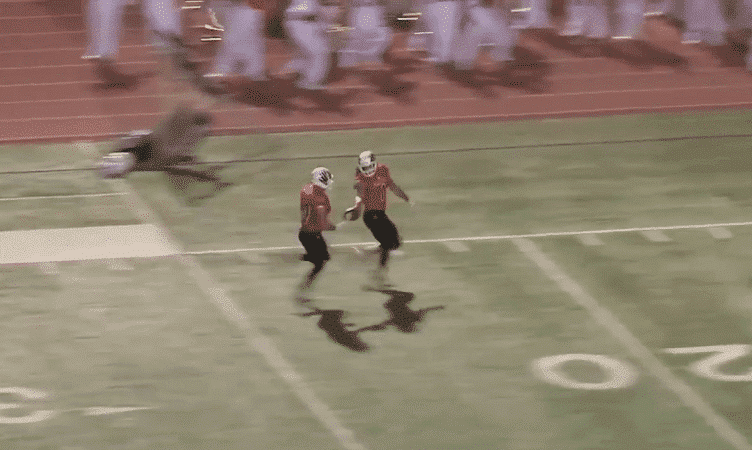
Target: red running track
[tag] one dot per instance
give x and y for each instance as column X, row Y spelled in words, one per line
column 47, row 93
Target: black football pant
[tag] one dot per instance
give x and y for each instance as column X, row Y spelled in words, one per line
column 382, row 229
column 315, row 247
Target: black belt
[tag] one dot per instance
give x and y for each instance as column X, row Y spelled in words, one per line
column 311, row 18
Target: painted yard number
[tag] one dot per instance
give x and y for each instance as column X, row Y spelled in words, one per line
column 25, row 394
column 29, row 395
column 619, row 374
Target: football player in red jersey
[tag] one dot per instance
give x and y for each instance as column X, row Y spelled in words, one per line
column 314, row 218
column 372, row 180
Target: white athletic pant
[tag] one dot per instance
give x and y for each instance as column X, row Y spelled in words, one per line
column 369, row 39
column 587, row 18
column 313, row 47
column 630, row 15
column 539, row 17
column 443, row 19
column 243, row 48
column 704, row 20
column 105, row 20
column 485, row 26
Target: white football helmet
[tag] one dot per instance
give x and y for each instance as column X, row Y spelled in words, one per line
column 116, row 164
column 367, row 163
column 322, row 177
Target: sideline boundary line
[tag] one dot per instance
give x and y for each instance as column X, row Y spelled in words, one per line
column 255, row 338
column 634, row 346
column 60, row 197
column 543, row 145
column 487, row 238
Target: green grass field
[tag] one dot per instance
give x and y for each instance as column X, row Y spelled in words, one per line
column 550, row 295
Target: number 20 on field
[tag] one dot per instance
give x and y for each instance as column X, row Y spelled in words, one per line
column 619, row 374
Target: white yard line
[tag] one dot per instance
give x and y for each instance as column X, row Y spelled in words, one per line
column 253, row 335
column 486, row 238
column 637, row 349
column 58, row 197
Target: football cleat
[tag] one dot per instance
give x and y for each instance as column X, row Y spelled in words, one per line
column 116, row 164
column 322, row 177
column 367, row 163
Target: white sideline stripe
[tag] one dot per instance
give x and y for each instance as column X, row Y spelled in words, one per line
column 605, row 318
column 484, row 238
column 76, row 244
column 253, row 335
column 50, row 197
column 720, row 233
column 456, row 246
column 656, row 236
column 590, row 239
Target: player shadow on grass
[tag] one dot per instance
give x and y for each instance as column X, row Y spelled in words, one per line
column 195, row 185
column 400, row 316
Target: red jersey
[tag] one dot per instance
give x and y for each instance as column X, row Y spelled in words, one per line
column 311, row 197
column 373, row 188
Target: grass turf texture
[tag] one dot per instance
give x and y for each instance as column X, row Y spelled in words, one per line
column 462, row 379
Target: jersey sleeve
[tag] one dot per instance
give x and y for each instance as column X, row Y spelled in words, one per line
column 387, row 174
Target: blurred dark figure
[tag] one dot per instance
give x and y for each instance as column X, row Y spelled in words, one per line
column 169, row 148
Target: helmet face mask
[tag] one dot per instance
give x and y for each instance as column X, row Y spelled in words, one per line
column 322, row 177
column 116, row 164
column 367, row 163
